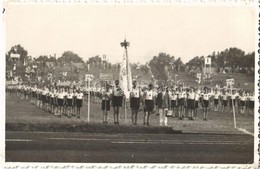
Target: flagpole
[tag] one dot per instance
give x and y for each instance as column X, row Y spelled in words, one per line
column 127, row 76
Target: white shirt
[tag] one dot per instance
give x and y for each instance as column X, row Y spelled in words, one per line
column 79, row 95
column 191, row 95
column 197, row 96
column 216, row 95
column 205, row 96
column 252, row 98
column 135, row 93
column 60, row 95
column 149, row 94
column 69, row 95
column 117, row 91
column 224, row 96
column 173, row 96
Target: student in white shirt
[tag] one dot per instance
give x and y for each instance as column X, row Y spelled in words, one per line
column 149, row 100
column 242, row 102
column 216, row 100
column 196, row 103
column 181, row 101
column 69, row 102
column 173, row 97
column 135, row 100
column 224, row 100
column 79, row 102
column 191, row 103
column 117, row 99
column 251, row 102
column 232, row 100
column 74, row 102
column 105, row 104
column 65, row 105
column 205, row 103
column 60, row 101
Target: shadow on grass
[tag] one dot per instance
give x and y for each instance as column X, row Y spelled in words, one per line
column 90, row 128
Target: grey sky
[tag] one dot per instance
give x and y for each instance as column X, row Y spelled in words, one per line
column 180, row 31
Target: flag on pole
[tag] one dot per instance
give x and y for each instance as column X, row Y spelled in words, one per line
column 125, row 76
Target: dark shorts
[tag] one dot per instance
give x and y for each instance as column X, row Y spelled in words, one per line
column 74, row 100
column 242, row 103
column 181, row 102
column 251, row 104
column 69, row 102
column 190, row 103
column 48, row 99
column 60, row 102
column 224, row 103
column 33, row 94
column 39, row 96
column 105, row 106
column 215, row 102
column 173, row 103
column 205, row 103
column 135, row 103
column 230, row 102
column 52, row 101
column 44, row 99
column 79, row 103
column 117, row 101
column 149, row 105
column 196, row 105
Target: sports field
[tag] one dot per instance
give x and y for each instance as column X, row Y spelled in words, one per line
column 22, row 115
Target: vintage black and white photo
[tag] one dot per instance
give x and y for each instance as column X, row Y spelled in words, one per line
column 146, row 84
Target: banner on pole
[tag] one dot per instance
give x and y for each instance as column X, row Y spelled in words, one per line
column 106, row 76
column 89, row 77
column 15, row 56
column 125, row 76
column 207, row 61
column 230, row 82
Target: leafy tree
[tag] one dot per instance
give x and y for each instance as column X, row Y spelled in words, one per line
column 17, row 49
column 69, row 57
column 158, row 65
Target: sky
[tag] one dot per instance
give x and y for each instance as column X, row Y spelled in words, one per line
column 90, row 30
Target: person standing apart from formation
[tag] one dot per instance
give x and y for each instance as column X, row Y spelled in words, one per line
column 105, row 104
column 135, row 100
column 149, row 100
column 164, row 104
column 117, row 98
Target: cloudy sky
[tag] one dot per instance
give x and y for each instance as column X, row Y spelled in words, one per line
column 180, row 31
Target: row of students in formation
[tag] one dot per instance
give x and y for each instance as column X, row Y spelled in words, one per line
column 177, row 102
column 166, row 101
column 60, row 101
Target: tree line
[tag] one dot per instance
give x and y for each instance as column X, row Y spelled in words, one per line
column 160, row 66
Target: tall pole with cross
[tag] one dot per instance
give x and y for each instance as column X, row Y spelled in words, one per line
column 125, row 44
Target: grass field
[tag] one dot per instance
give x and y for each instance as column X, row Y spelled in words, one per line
column 24, row 113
